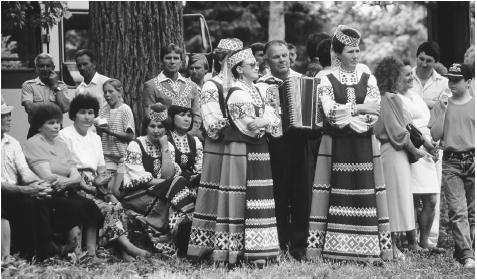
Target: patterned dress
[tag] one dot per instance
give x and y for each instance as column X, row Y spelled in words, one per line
column 213, row 111
column 349, row 217
column 242, row 223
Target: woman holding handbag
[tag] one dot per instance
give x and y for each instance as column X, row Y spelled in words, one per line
column 424, row 177
column 397, row 151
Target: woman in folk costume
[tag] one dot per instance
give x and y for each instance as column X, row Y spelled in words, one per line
column 152, row 183
column 187, row 148
column 349, row 217
column 215, row 120
column 245, row 227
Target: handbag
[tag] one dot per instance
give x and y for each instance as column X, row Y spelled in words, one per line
column 416, row 135
column 416, row 139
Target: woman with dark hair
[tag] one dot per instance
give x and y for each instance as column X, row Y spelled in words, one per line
column 188, row 149
column 115, row 124
column 214, row 116
column 50, row 158
column 85, row 147
column 152, row 184
column 170, row 87
column 349, row 206
column 244, row 206
column 397, row 150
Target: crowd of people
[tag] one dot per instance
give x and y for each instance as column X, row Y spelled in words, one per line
column 215, row 174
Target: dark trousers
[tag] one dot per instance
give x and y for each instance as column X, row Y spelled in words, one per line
column 293, row 159
column 29, row 220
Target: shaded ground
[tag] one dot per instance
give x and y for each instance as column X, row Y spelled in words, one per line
column 108, row 266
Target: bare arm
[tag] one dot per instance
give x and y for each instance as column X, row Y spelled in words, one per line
column 126, row 137
column 61, row 99
column 43, row 170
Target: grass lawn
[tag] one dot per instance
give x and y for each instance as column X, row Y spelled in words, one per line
column 415, row 266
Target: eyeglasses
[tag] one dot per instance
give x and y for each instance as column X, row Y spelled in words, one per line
column 253, row 65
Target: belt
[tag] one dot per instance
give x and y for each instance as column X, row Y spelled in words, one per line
column 459, row 155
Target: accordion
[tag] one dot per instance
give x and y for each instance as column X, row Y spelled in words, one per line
column 299, row 103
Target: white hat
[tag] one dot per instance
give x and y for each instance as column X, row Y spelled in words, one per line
column 6, row 109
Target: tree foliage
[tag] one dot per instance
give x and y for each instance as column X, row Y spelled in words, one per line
column 387, row 27
column 17, row 12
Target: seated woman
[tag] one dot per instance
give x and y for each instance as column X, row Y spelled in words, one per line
column 151, row 183
column 87, row 154
column 49, row 157
column 188, row 149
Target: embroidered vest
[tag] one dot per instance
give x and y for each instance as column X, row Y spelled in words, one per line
column 148, row 161
column 347, row 93
column 186, row 161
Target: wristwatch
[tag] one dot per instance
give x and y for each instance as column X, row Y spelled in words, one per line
column 57, row 89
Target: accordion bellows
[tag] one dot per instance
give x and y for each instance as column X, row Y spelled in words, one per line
column 299, row 103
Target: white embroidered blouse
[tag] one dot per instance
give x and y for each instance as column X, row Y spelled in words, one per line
column 341, row 115
column 212, row 116
column 242, row 106
column 135, row 174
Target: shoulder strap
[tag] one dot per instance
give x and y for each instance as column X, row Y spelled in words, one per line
column 222, row 104
column 140, row 146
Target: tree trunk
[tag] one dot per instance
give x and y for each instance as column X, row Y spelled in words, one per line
column 276, row 22
column 127, row 37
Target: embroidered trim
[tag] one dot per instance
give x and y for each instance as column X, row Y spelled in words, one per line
column 260, row 183
column 352, row 192
column 351, row 167
column 352, row 211
column 261, row 204
column 258, row 156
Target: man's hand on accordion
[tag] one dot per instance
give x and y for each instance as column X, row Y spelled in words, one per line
column 369, row 108
column 257, row 124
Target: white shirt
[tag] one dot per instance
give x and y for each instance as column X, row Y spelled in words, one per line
column 14, row 165
column 435, row 87
column 87, row 151
column 94, row 88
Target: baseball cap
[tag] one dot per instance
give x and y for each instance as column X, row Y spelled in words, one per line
column 6, row 109
column 460, row 71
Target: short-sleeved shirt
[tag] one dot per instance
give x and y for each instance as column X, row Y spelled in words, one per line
column 119, row 120
column 459, row 127
column 87, row 151
column 38, row 150
column 14, row 165
column 434, row 88
column 94, row 88
column 37, row 92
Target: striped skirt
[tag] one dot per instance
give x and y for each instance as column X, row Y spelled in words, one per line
column 349, row 216
column 237, row 218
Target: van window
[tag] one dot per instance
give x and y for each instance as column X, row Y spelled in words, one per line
column 20, row 45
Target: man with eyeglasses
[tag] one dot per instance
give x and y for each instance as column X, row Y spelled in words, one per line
column 432, row 87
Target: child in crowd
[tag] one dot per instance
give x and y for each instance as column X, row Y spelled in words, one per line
column 115, row 124
column 455, row 127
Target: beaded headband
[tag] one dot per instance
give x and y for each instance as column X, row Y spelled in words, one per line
column 240, row 56
column 158, row 117
column 345, row 39
column 232, row 44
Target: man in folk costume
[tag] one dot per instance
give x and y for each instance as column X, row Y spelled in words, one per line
column 292, row 159
column 214, row 116
column 349, row 217
column 170, row 87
